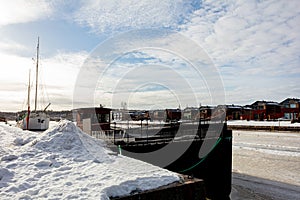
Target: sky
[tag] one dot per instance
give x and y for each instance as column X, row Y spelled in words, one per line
column 149, row 54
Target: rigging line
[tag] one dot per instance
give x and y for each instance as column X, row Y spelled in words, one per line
column 31, row 88
column 41, row 86
column 43, row 89
column 24, row 103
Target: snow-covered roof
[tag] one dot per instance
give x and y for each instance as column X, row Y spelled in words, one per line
column 233, row 106
column 288, row 100
column 265, row 103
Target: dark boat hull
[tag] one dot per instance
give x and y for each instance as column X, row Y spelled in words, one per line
column 214, row 168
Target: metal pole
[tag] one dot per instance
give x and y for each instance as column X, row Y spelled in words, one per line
column 141, row 128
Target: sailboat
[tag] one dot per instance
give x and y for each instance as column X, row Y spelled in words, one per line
column 35, row 120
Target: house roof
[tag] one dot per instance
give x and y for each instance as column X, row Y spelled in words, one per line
column 233, row 106
column 265, row 103
column 287, row 100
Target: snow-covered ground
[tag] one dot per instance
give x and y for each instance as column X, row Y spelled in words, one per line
column 266, row 165
column 262, row 123
column 65, row 163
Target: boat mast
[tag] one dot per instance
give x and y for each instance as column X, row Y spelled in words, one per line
column 28, row 93
column 28, row 103
column 37, row 73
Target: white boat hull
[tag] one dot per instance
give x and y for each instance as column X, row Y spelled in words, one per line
column 37, row 122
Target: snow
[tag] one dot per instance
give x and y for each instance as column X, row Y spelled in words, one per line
column 262, row 123
column 65, row 163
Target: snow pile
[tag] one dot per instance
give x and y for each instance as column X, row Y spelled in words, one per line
column 69, row 141
column 65, row 163
column 12, row 137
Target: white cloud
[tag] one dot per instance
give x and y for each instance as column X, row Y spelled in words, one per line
column 255, row 44
column 57, row 74
column 13, row 80
column 114, row 15
column 7, row 45
column 132, row 59
column 22, row 11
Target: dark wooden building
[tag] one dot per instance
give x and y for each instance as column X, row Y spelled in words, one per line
column 93, row 119
column 233, row 112
column 173, row 115
column 290, row 108
column 206, row 112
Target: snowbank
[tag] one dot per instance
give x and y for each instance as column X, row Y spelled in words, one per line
column 65, row 163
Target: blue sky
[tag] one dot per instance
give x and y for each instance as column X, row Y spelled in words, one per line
column 250, row 49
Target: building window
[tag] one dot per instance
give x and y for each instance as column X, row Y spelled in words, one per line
column 261, row 107
column 287, row 116
column 102, row 118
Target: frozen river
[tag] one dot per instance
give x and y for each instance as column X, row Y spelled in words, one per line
column 266, row 165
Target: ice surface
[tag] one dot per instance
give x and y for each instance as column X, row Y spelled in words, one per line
column 267, row 163
column 65, row 163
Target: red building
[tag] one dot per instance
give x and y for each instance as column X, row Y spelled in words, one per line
column 290, row 108
column 268, row 110
column 246, row 113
